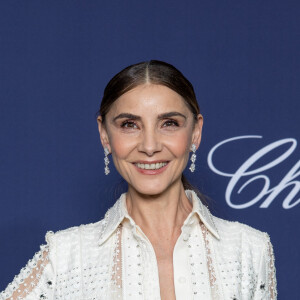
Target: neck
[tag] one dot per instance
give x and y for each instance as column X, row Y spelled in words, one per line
column 160, row 215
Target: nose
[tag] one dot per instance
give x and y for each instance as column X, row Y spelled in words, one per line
column 150, row 142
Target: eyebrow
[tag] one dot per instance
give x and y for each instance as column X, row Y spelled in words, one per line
column 160, row 117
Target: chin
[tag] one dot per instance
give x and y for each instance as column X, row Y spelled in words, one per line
column 150, row 189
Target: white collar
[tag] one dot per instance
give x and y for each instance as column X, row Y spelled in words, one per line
column 118, row 212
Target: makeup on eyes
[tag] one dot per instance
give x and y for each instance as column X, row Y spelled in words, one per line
column 170, row 122
column 124, row 123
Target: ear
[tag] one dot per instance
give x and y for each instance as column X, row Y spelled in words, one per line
column 103, row 133
column 197, row 131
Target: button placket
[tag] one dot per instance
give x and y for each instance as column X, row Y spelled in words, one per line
column 150, row 262
column 148, row 272
column 132, row 264
column 182, row 281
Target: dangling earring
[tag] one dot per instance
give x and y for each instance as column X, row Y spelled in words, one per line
column 193, row 158
column 106, row 161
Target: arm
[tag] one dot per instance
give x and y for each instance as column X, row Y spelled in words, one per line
column 267, row 286
column 36, row 280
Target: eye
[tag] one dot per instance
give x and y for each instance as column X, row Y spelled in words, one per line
column 128, row 124
column 170, row 123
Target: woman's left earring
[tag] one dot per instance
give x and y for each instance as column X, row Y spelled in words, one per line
column 106, row 161
column 193, row 158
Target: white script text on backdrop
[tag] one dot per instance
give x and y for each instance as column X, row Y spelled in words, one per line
column 289, row 180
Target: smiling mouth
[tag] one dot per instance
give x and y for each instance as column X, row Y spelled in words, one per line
column 154, row 166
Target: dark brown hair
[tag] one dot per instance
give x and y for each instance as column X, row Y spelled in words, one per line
column 153, row 72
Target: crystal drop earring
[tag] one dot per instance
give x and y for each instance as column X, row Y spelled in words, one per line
column 106, row 161
column 193, row 158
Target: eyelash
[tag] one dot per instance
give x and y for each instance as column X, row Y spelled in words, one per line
column 123, row 125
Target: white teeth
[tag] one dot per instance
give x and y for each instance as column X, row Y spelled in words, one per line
column 151, row 166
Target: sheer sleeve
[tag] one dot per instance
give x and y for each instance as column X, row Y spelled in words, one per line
column 267, row 286
column 37, row 279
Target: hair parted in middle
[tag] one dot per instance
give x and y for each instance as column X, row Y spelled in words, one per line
column 152, row 72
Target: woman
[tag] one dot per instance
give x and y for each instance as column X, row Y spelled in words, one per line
column 158, row 241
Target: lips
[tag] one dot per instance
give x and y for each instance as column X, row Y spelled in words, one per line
column 151, row 167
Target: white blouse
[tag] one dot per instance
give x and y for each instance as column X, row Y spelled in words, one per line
column 113, row 259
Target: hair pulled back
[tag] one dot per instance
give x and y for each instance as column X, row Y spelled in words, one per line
column 150, row 72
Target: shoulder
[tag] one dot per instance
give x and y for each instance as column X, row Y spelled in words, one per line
column 236, row 232
column 76, row 234
column 67, row 247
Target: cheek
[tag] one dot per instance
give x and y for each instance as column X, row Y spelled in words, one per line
column 122, row 145
column 179, row 144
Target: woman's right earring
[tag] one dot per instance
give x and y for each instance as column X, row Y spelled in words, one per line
column 193, row 158
column 106, row 161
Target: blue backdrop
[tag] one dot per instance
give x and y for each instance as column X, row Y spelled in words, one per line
column 56, row 58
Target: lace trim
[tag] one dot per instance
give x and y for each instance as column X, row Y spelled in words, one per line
column 211, row 270
column 29, row 276
column 116, row 277
column 272, row 284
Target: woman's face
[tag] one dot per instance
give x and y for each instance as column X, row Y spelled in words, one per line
column 149, row 131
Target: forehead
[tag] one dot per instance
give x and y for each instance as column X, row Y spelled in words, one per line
column 148, row 99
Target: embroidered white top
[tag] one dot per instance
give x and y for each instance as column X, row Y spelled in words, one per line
column 113, row 259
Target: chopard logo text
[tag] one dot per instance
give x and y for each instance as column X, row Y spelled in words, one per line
column 290, row 182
